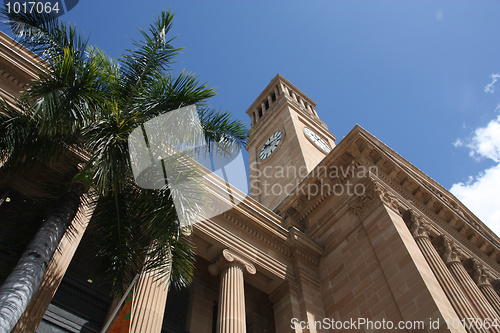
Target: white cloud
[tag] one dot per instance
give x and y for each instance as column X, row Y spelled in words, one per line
column 486, row 141
column 490, row 86
column 458, row 143
column 480, row 193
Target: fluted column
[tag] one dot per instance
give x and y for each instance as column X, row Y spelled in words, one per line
column 420, row 231
column 56, row 269
column 452, row 258
column 149, row 304
column 483, row 282
column 231, row 315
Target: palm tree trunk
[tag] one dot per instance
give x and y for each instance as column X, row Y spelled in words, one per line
column 24, row 280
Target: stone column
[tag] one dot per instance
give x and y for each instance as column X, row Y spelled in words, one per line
column 452, row 258
column 420, row 231
column 56, row 269
column 231, row 313
column 149, row 304
column 483, row 282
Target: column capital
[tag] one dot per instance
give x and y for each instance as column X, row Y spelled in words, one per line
column 419, row 227
column 228, row 258
column 451, row 253
column 480, row 276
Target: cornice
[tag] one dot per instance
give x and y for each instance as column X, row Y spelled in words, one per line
column 275, row 242
column 409, row 188
column 304, row 247
column 7, row 75
column 216, row 233
column 421, row 186
column 19, row 61
column 408, row 200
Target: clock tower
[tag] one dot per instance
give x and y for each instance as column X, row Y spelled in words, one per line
column 287, row 141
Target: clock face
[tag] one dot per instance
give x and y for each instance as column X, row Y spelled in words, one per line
column 316, row 140
column 270, row 145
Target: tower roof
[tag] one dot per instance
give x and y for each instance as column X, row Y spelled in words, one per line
column 275, row 83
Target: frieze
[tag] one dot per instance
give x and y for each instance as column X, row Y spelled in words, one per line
column 299, row 253
column 260, row 236
column 5, row 74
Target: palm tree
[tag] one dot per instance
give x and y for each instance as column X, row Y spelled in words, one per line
column 86, row 101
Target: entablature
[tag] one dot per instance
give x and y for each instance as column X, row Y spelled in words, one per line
column 359, row 149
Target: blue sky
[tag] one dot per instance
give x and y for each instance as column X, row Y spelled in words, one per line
column 413, row 73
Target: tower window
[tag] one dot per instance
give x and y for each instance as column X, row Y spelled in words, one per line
column 267, row 105
column 254, row 120
column 273, row 97
column 260, row 113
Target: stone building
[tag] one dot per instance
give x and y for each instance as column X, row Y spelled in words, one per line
column 332, row 238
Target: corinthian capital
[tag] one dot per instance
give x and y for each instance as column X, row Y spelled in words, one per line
column 450, row 251
column 419, row 227
column 480, row 276
column 228, row 258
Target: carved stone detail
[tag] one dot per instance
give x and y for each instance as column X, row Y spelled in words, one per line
column 451, row 253
column 445, row 225
column 481, row 277
column 363, row 206
column 419, row 228
column 257, row 234
column 385, row 195
column 230, row 258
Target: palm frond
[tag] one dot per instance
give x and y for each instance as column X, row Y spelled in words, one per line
column 44, row 34
column 22, row 144
column 221, row 129
column 153, row 55
column 172, row 262
column 169, row 92
column 66, row 95
column 85, row 98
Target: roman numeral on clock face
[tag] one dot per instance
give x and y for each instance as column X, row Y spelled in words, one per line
column 270, row 145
